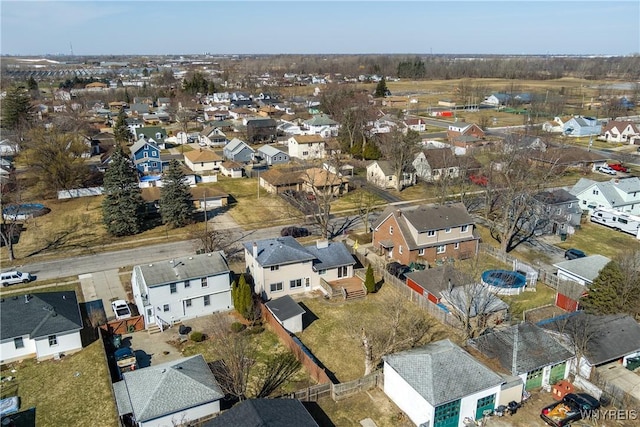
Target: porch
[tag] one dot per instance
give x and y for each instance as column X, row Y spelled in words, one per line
column 348, row 288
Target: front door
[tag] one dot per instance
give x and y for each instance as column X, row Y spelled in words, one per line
column 150, row 317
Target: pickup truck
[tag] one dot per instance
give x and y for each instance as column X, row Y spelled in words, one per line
column 571, row 408
column 125, row 360
column 618, row 167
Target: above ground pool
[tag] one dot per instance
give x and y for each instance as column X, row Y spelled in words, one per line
column 24, row 211
column 504, row 282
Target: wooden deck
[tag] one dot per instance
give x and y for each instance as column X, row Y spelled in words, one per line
column 352, row 285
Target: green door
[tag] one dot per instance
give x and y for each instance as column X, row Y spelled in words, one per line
column 534, row 380
column 557, row 373
column 484, row 404
column 447, row 415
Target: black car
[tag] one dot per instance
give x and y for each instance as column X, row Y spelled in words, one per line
column 572, row 407
column 574, row 253
column 295, row 232
column 398, row 270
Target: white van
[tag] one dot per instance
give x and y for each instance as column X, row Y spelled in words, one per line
column 14, row 277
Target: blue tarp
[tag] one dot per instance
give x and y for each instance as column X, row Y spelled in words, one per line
column 443, row 307
column 9, row 405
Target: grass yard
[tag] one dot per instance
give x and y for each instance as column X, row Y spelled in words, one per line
column 335, row 337
column 72, row 391
column 598, row 239
column 544, row 295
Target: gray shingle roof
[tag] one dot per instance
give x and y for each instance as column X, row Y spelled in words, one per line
column 168, row 388
column 425, row 217
column 46, row 313
column 536, row 348
column 284, row 308
column 279, row 251
column 442, row 372
column 587, row 267
column 185, row 268
column 437, row 279
column 334, row 255
column 270, row 150
column 611, row 190
column 555, row 197
column 265, row 413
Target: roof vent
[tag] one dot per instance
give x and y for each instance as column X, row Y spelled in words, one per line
column 163, row 370
column 150, row 265
column 190, row 257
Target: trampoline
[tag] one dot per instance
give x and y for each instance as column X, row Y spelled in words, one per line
column 504, row 282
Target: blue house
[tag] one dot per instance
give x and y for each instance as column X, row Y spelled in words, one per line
column 238, row 151
column 154, row 134
column 581, row 126
column 146, row 156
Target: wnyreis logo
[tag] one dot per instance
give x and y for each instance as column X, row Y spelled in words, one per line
column 610, row 415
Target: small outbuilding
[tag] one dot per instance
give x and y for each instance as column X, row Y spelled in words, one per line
column 287, row 312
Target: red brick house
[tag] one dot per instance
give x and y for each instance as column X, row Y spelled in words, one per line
column 425, row 234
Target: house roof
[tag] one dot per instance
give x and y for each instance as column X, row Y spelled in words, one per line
column 236, row 145
column 262, row 123
column 278, row 251
column 442, row 372
column 139, row 144
column 567, row 156
column 333, row 255
column 39, row 315
column 429, row 217
column 320, row 120
column 439, row 158
column 437, row 279
column 587, row 267
column 167, row 388
column 151, row 131
column 265, row 413
column 202, row 156
column 385, row 166
column 610, row 337
column 320, row 177
column 278, row 177
column 555, row 197
column 270, row 150
column 611, row 190
column 536, row 348
column 185, row 268
column 284, row 308
column 308, row 139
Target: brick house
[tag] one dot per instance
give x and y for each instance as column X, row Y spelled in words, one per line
column 458, row 129
column 425, row 234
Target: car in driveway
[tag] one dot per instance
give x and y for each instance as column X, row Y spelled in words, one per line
column 574, row 253
column 121, row 309
column 572, row 407
column 14, row 277
column 606, row 169
column 295, row 232
column 398, row 270
column 618, row 167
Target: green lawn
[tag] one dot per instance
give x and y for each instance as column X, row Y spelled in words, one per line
column 543, row 295
column 72, row 391
column 598, row 239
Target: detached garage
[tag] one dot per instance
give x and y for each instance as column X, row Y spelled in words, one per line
column 287, row 312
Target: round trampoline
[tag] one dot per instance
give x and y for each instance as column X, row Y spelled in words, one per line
column 24, row 211
column 504, row 282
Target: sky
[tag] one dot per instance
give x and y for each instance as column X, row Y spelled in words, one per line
column 586, row 27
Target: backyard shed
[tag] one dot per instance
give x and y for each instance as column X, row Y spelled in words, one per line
column 287, row 312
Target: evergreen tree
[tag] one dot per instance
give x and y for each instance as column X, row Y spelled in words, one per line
column 176, row 206
column 122, row 208
column 121, row 132
column 370, row 281
column 17, row 111
column 381, row 89
column 610, row 293
column 32, row 86
column 234, row 293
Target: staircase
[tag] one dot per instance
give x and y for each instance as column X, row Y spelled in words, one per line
column 354, row 294
column 153, row 329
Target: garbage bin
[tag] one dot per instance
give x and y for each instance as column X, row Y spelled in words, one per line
column 563, row 237
column 116, row 340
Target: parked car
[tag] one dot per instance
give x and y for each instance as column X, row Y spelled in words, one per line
column 574, row 253
column 571, row 408
column 14, row 277
column 479, row 180
column 618, row 167
column 121, row 309
column 295, row 232
column 606, row 169
column 398, row 270
column 125, row 360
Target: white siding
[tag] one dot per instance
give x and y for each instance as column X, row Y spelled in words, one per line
column 567, row 275
column 469, row 403
column 183, row 417
column 293, row 324
column 66, row 343
column 8, row 351
column 408, row 400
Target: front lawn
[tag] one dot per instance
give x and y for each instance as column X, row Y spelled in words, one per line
column 72, row 391
column 598, row 239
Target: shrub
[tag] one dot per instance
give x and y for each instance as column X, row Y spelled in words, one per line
column 197, row 336
column 237, row 327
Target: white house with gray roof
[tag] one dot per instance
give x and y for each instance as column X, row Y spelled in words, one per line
column 181, row 288
column 440, row 384
column 582, row 270
column 622, row 194
column 272, row 156
column 169, row 394
column 282, row 266
column 42, row 325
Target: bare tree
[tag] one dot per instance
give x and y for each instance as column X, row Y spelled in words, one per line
column 579, row 331
column 400, row 150
column 278, row 369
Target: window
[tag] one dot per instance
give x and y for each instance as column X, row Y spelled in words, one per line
column 584, row 202
column 203, row 282
column 321, row 272
column 173, row 288
column 154, row 153
column 447, row 230
column 464, row 228
column 187, row 284
column 431, row 233
column 187, row 303
column 595, row 191
column 400, row 249
column 53, row 340
column 275, row 267
column 165, row 308
column 297, row 283
column 421, row 252
column 390, row 229
column 18, row 343
column 456, row 246
column 441, row 249
column 342, row 271
column 306, row 282
column 305, row 153
column 207, row 300
column 276, row 287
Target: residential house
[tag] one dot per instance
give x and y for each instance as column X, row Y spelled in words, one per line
column 42, row 325
column 382, row 173
column 604, row 341
column 435, row 163
column 261, row 130
column 133, row 123
column 569, row 158
column 425, row 234
column 306, row 147
column 416, row 124
column 238, row 151
column 516, row 142
column 528, row 351
column 277, row 181
column 497, row 99
column 272, row 156
column 289, row 128
column 173, row 393
column 459, row 129
column 212, row 136
column 621, row 194
column 265, row 413
column 555, row 126
column 321, row 124
column 580, row 271
column 152, row 133
column 625, row 132
column 216, row 115
column 440, row 384
column 146, row 156
column 232, row 169
column 556, row 212
column 202, row 160
column 211, row 197
column 182, row 288
column 287, row 312
column 385, row 123
column 8, row 148
column 282, row 266
column 139, row 109
column 581, row 126
column 321, row 181
column 241, row 113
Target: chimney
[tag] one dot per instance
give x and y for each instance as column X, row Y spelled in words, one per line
column 320, row 244
column 255, row 250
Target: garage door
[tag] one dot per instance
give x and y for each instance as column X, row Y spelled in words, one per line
column 485, row 404
column 557, row 373
column 534, row 379
column 447, row 415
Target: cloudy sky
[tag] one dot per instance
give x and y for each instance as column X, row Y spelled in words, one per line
column 317, row 27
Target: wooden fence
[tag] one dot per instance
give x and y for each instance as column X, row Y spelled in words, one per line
column 618, row 397
column 338, row 391
column 124, row 326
